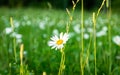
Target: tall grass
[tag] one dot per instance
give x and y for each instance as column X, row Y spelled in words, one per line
column 82, row 42
column 94, row 28
column 70, row 14
column 108, row 6
column 14, row 39
column 21, row 60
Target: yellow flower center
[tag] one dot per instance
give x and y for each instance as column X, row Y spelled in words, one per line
column 60, row 41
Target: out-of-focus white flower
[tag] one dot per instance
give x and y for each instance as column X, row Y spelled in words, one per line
column 55, row 31
column 24, row 23
column 86, row 36
column 42, row 25
column 8, row 30
column 77, row 28
column 116, row 40
column 25, row 52
column 89, row 30
column 105, row 28
column 13, row 34
column 58, row 42
column 25, row 17
column 118, row 57
column 16, row 23
column 88, row 21
column 101, row 33
column 17, row 36
column 19, row 40
column 28, row 22
column 46, row 18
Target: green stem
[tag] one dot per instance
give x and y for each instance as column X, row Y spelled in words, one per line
column 14, row 39
column 94, row 28
column 82, row 27
column 62, row 66
column 109, row 33
column 14, row 44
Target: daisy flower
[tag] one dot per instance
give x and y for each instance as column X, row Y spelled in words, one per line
column 58, row 42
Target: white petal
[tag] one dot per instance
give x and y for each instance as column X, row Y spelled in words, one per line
column 53, row 47
column 51, row 43
column 61, row 35
column 54, row 38
column 60, row 46
column 65, row 37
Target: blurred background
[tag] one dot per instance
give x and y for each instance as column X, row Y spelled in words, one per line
column 61, row 4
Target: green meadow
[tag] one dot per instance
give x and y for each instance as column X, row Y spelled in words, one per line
column 34, row 27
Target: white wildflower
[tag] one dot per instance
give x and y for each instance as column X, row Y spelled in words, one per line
column 8, row 30
column 86, row 36
column 42, row 25
column 89, row 30
column 58, row 42
column 28, row 22
column 55, row 31
column 77, row 28
column 105, row 28
column 116, row 40
column 118, row 57
column 19, row 40
column 16, row 23
column 101, row 33
column 17, row 36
